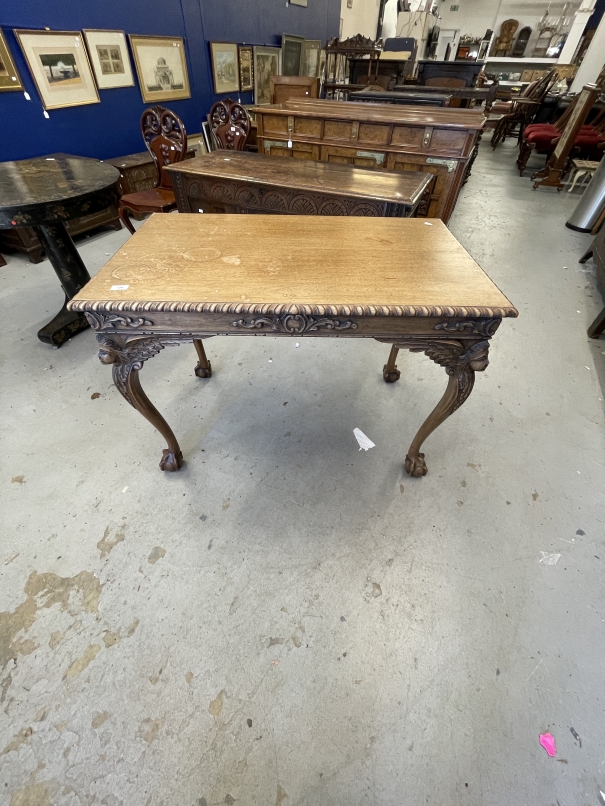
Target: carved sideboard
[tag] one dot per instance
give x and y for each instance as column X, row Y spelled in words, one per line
column 240, row 182
column 442, row 142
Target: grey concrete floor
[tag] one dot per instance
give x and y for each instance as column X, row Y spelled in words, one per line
column 289, row 620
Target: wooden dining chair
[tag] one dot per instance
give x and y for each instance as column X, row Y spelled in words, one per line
column 166, row 140
column 230, row 124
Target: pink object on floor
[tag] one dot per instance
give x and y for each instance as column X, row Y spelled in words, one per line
column 547, row 741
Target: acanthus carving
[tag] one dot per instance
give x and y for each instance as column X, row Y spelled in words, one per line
column 127, row 355
column 481, row 327
column 294, row 324
column 97, row 321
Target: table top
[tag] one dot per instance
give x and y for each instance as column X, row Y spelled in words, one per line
column 444, row 117
column 37, row 190
column 312, row 175
column 456, row 92
column 294, row 264
column 410, row 95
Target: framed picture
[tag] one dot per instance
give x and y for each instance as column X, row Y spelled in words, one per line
column 225, row 67
column 108, row 54
column 59, row 66
column 246, row 69
column 311, row 57
column 9, row 77
column 161, row 67
column 291, row 54
column 267, row 63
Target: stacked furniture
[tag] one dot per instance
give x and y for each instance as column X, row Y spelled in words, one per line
column 442, row 142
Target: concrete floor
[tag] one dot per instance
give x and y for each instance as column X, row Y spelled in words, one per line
column 289, row 620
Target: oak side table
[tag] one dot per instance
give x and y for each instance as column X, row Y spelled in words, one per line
column 406, row 282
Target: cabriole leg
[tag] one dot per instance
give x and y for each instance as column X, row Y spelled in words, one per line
column 128, row 359
column 204, row 367
column 461, row 367
column 390, row 373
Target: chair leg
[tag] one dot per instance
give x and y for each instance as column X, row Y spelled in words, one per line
column 204, row 367
column 587, row 255
column 125, row 218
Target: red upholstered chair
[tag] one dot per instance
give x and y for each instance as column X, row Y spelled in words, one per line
column 543, row 138
column 166, row 140
column 230, row 124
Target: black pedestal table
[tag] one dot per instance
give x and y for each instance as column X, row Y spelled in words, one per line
column 43, row 193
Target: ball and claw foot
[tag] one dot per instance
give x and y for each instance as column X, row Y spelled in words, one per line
column 392, row 376
column 204, row 372
column 171, row 461
column 415, row 466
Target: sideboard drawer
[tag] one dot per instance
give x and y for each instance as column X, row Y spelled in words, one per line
column 364, row 158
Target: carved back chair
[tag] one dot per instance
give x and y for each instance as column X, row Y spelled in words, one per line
column 504, row 41
column 166, row 140
column 282, row 88
column 230, row 124
column 521, row 43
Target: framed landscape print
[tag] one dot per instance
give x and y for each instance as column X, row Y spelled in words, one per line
column 291, row 54
column 59, row 66
column 267, row 63
column 9, row 77
column 108, row 54
column 311, row 57
column 246, row 69
column 225, row 67
column 161, row 67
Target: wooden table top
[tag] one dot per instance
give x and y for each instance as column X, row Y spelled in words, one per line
column 407, row 96
column 444, row 117
column 312, row 175
column 294, row 264
column 455, row 92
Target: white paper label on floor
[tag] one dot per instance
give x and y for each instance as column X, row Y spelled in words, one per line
column 27, row 96
column 46, row 115
column 549, row 559
column 118, row 288
column 365, row 443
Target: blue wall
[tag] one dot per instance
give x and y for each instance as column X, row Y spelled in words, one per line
column 111, row 128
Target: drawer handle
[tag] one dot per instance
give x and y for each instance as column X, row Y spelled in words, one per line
column 451, row 164
column 373, row 155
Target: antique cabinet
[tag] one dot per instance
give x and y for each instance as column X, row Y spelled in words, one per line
column 439, row 141
column 239, row 182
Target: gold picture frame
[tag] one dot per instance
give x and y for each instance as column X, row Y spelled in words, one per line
column 109, row 57
column 225, row 67
column 161, row 65
column 59, row 65
column 9, row 77
column 246, row 68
